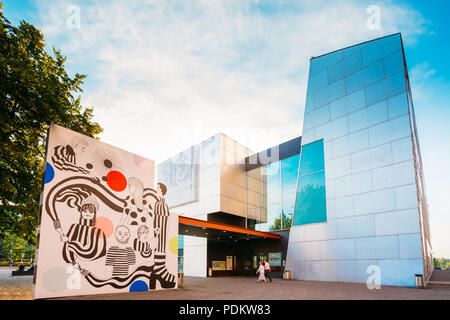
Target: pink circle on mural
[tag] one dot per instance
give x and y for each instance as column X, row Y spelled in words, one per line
column 141, row 162
column 105, row 225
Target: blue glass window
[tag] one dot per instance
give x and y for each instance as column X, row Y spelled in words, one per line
column 273, row 189
column 289, row 170
column 273, row 217
column 310, row 206
column 273, row 183
column 289, row 177
column 180, row 252
column 310, row 203
column 312, row 158
column 180, row 241
column 280, row 189
column 289, row 195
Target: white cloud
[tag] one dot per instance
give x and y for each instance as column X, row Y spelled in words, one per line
column 171, row 74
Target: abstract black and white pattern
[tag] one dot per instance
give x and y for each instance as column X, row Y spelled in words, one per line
column 107, row 225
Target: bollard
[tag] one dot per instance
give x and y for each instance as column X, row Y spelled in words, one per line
column 419, row 281
column 180, row 279
column 287, row 275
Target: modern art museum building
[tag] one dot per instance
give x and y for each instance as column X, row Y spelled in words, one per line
column 344, row 199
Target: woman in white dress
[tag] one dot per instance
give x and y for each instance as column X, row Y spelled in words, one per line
column 261, row 272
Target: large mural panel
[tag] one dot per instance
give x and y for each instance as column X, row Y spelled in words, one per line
column 104, row 228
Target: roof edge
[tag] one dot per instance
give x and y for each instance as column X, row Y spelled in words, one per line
column 354, row 45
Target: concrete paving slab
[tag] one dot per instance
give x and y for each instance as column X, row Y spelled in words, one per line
column 242, row 288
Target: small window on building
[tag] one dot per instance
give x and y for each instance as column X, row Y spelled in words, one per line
column 310, row 203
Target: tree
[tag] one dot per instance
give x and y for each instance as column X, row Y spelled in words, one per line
column 276, row 225
column 436, row 263
column 18, row 245
column 35, row 90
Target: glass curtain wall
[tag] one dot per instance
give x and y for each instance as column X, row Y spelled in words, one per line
column 289, row 174
column 180, row 252
column 271, row 194
column 310, row 204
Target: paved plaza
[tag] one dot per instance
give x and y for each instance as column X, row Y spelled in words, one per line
column 243, row 288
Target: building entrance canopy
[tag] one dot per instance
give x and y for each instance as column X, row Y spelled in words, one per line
column 218, row 231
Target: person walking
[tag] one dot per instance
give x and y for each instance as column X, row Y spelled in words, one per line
column 261, row 272
column 267, row 270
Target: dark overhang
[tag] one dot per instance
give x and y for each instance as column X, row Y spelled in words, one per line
column 282, row 151
column 219, row 231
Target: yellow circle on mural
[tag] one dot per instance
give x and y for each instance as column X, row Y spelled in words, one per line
column 173, row 245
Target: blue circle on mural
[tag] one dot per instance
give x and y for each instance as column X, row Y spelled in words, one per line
column 138, row 286
column 49, row 173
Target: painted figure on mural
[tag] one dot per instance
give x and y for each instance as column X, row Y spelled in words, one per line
column 84, row 240
column 136, row 206
column 65, row 157
column 143, row 244
column 160, row 220
column 120, row 257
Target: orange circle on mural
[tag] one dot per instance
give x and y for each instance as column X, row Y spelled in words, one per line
column 105, row 225
column 116, row 180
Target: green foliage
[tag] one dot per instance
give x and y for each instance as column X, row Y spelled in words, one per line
column 19, row 247
column 277, row 223
column 441, row 263
column 35, row 90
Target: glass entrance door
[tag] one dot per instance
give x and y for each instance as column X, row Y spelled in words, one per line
column 257, row 259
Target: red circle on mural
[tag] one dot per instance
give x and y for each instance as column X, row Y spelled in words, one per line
column 105, row 225
column 116, row 181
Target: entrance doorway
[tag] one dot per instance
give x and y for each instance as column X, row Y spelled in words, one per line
column 274, row 259
column 231, row 250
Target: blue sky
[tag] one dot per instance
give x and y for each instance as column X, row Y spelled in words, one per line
column 163, row 75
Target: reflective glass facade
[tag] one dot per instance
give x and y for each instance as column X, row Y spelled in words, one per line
column 274, row 186
column 310, row 203
column 289, row 173
column 180, row 252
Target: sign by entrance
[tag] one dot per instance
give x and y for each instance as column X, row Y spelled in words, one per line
column 229, row 263
column 218, row 265
column 275, row 259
